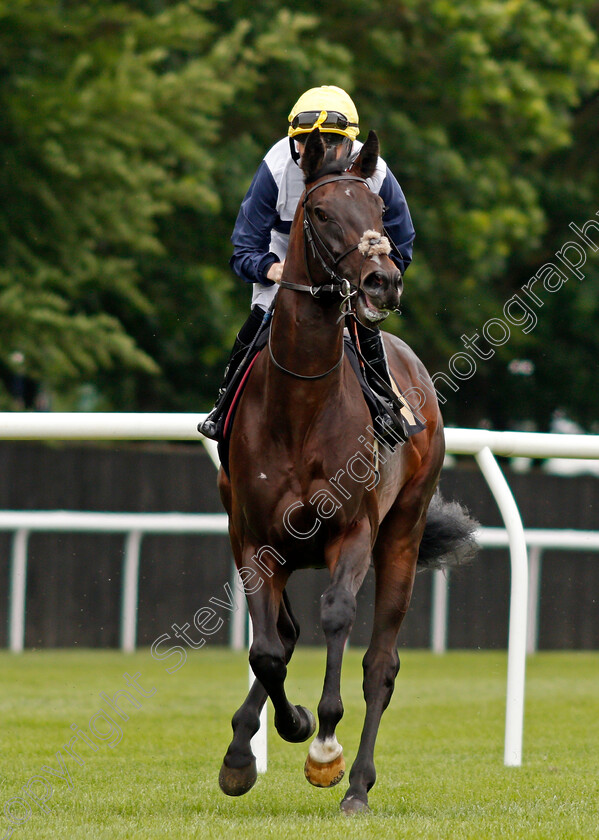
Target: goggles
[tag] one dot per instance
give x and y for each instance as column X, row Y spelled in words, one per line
column 324, row 120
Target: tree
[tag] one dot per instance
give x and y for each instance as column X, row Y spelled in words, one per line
column 475, row 103
column 117, row 157
column 131, row 131
column 478, row 106
column 201, row 303
column 99, row 139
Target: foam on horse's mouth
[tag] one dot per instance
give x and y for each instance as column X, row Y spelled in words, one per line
column 370, row 311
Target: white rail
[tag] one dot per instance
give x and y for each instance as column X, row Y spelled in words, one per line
column 134, row 525
column 537, row 540
column 482, row 444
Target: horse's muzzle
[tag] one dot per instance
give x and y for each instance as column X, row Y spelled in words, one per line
column 383, row 288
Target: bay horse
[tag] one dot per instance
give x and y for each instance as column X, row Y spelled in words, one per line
column 305, row 489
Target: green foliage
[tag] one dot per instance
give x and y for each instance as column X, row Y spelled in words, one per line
column 475, row 101
column 96, row 145
column 130, row 132
column 110, row 117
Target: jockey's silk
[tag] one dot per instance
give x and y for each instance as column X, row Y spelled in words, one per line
column 261, row 233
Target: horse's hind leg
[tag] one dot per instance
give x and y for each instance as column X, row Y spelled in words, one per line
column 325, row 765
column 238, row 770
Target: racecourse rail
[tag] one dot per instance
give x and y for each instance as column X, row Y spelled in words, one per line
column 482, row 444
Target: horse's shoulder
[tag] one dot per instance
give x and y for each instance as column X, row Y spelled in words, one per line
column 411, row 375
column 398, row 349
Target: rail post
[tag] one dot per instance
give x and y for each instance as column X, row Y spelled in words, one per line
column 18, row 589
column 516, row 668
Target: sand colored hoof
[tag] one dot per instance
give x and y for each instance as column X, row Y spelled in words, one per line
column 324, row 775
column 352, row 805
column 235, row 781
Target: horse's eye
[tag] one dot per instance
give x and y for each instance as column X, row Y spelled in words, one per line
column 320, row 214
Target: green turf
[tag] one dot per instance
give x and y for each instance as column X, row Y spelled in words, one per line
column 439, row 752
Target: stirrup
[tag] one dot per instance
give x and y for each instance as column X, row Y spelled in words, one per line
column 388, row 428
column 209, row 427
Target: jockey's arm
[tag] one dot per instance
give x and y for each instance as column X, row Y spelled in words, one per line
column 397, row 221
column 252, row 259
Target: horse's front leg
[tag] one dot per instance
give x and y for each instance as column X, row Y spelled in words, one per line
column 325, row 765
column 395, row 571
column 238, row 771
column 268, row 659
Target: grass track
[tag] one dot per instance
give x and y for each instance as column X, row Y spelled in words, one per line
column 439, row 752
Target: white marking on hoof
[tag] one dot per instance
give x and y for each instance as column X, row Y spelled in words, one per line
column 262, row 475
column 323, row 752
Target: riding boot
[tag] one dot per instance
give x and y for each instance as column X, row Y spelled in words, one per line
column 371, row 345
column 210, row 426
column 373, row 350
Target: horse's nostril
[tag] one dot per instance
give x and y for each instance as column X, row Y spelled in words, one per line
column 381, row 280
column 376, row 280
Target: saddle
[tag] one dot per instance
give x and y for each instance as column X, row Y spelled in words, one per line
column 407, row 424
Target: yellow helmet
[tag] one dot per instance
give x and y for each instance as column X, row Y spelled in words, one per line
column 328, row 108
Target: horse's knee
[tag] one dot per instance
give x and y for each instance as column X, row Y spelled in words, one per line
column 380, row 670
column 268, row 662
column 288, row 634
column 289, row 643
column 337, row 610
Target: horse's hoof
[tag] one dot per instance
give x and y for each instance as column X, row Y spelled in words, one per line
column 235, row 781
column 324, row 775
column 305, row 730
column 352, row 805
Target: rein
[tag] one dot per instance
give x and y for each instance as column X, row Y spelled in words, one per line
column 302, row 375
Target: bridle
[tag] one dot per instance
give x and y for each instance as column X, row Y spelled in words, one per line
column 320, row 252
column 371, row 243
column 329, row 263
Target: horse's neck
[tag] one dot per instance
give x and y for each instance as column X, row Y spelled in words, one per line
column 305, row 339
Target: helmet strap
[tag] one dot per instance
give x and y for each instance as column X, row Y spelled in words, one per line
column 294, row 152
column 348, row 145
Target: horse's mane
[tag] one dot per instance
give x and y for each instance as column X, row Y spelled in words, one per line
column 333, row 166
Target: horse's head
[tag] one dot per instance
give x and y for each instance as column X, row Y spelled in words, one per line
column 344, row 220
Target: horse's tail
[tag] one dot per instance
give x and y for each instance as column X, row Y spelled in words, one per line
column 449, row 536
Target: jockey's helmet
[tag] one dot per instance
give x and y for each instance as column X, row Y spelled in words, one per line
column 328, row 108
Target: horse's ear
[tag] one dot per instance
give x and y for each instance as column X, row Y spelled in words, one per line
column 313, row 156
column 366, row 162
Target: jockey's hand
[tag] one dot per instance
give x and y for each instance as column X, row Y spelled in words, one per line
column 275, row 272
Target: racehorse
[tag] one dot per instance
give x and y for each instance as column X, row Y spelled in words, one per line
column 310, row 486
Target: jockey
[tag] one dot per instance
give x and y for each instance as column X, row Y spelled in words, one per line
column 261, row 232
